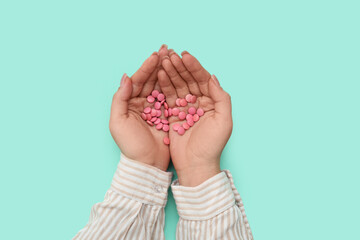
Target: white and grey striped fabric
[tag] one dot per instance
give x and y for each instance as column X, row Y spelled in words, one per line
column 133, row 207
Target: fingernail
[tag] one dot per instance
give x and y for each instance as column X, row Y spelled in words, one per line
column 184, row 52
column 123, row 79
column 155, row 53
column 163, row 46
column 216, row 81
column 171, row 52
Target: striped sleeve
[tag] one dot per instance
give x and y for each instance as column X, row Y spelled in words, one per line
column 211, row 210
column 133, row 207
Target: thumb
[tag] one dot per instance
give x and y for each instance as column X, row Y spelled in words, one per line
column 119, row 106
column 221, row 98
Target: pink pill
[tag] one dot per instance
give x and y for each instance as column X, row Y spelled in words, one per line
column 186, row 126
column 150, row 123
column 192, row 110
column 157, row 105
column 177, row 102
column 175, row 111
column 147, row 110
column 150, row 99
column 158, row 113
column 153, row 112
column 166, row 105
column 148, row 116
column 153, row 119
column 157, row 121
column 155, row 93
column 188, row 97
column 143, row 116
column 183, row 102
column 166, row 140
column 193, row 99
column 166, row 128
column 159, row 126
column 189, row 116
column 160, row 97
column 190, row 122
column 182, row 115
column 196, row 117
column 200, row 112
column 162, row 102
column 176, row 126
column 166, row 113
column 164, row 121
column 170, row 112
column 181, row 131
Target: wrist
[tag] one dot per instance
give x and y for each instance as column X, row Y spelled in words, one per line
column 194, row 176
column 160, row 163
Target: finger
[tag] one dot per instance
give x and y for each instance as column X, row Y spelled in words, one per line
column 163, row 52
column 149, row 85
column 119, row 106
column 185, row 74
column 167, row 88
column 180, row 85
column 199, row 73
column 221, row 98
column 143, row 74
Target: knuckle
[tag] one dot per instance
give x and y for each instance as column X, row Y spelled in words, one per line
column 115, row 95
column 227, row 97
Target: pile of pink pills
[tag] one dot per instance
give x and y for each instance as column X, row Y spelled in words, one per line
column 152, row 115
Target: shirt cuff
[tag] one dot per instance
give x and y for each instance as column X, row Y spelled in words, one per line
column 206, row 200
column 141, row 182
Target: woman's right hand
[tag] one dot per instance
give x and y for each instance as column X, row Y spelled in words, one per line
column 135, row 138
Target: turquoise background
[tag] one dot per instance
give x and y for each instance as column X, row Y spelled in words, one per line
column 291, row 67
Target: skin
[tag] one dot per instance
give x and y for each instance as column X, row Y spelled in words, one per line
column 196, row 154
column 135, row 138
